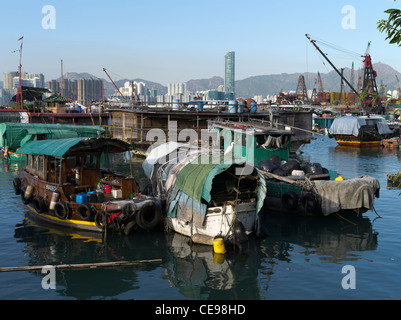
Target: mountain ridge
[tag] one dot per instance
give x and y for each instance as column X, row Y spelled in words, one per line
column 270, row 84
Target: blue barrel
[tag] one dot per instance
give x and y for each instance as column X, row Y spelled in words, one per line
column 241, row 106
column 200, row 105
column 232, row 106
column 254, row 107
column 79, row 109
column 82, row 197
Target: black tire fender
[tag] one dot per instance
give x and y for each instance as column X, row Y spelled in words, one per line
column 289, row 200
column 17, row 185
column 149, row 215
column 61, row 210
column 309, row 202
column 39, row 204
column 100, row 219
column 85, row 211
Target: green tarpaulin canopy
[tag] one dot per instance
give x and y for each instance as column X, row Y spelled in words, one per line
column 60, row 147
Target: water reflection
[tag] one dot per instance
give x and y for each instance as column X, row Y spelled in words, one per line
column 333, row 238
column 200, row 274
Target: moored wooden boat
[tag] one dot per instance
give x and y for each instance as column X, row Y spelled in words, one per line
column 360, row 131
column 63, row 184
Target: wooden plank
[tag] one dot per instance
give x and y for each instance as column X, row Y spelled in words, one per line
column 82, row 265
column 275, row 176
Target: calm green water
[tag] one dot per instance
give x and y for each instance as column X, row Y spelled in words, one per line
column 301, row 259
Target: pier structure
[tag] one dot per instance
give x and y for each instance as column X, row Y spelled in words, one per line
column 133, row 125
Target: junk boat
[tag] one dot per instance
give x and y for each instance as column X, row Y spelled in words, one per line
column 294, row 187
column 205, row 195
column 63, row 184
column 364, row 131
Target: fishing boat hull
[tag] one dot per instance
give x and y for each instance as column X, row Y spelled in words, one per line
column 219, row 222
column 353, row 141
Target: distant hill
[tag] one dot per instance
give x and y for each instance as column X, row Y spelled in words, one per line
column 263, row 84
column 273, row 84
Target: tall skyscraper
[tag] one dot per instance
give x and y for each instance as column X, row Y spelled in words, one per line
column 229, row 81
column 8, row 79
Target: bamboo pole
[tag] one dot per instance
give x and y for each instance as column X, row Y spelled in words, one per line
column 81, row 266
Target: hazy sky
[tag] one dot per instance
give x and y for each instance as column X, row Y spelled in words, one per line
column 178, row 40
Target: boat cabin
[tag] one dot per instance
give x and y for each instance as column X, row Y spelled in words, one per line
column 252, row 142
column 72, row 166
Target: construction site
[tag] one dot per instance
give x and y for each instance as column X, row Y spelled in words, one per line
column 360, row 92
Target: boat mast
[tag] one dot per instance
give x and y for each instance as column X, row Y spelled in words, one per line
column 18, row 98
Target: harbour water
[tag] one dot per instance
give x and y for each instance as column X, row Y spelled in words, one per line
column 302, row 258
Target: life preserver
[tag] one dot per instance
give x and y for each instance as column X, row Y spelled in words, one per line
column 85, row 211
column 309, row 202
column 289, row 200
column 61, row 210
column 17, row 185
column 39, row 204
column 148, row 214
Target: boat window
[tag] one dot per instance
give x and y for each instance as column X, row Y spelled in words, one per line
column 90, row 161
column 29, row 161
column 35, row 163
column 244, row 140
column 40, row 164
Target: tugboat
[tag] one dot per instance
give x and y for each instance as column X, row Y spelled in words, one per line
column 63, row 184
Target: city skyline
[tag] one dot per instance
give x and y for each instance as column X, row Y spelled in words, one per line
column 178, row 41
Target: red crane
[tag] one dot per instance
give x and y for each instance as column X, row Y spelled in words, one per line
column 114, row 84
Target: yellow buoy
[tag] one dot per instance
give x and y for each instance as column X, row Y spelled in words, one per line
column 339, row 178
column 218, row 246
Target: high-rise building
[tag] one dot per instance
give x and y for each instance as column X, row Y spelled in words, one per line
column 89, row 90
column 176, row 88
column 8, row 79
column 229, row 80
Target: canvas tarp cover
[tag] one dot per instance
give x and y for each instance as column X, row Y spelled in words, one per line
column 347, row 125
column 195, row 176
column 351, row 125
column 348, row 194
column 194, row 182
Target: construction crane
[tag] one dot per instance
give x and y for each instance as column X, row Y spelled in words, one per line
column 114, row 84
column 301, row 89
column 369, row 95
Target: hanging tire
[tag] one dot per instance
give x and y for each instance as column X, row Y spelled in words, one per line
column 309, row 202
column 129, row 210
column 149, row 215
column 39, row 204
column 61, row 210
column 85, row 211
column 289, row 200
column 100, row 219
column 130, row 227
column 239, row 232
column 17, row 185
